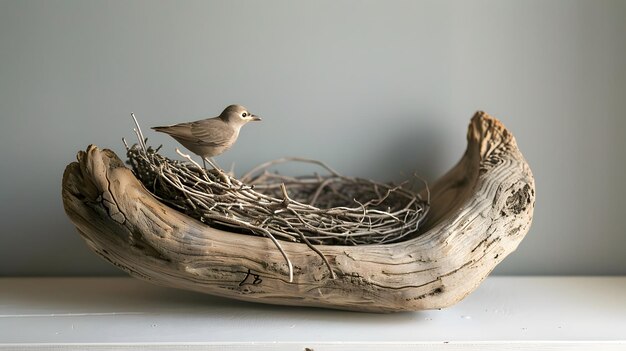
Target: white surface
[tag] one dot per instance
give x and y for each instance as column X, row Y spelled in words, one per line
column 123, row 313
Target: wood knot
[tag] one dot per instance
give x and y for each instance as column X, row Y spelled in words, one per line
column 519, row 201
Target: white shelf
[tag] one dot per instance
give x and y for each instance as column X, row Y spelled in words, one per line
column 515, row 313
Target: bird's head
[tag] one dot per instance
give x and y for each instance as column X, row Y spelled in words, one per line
column 239, row 115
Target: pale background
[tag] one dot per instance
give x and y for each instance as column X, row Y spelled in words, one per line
column 375, row 89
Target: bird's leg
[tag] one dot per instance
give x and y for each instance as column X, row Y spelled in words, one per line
column 204, row 170
column 213, row 164
column 218, row 169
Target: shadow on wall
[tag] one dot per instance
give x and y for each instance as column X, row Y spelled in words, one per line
column 412, row 146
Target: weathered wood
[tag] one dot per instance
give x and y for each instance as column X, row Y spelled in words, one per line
column 481, row 210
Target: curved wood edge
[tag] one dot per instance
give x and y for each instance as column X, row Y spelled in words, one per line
column 481, row 210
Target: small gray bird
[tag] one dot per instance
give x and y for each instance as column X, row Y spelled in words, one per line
column 212, row 136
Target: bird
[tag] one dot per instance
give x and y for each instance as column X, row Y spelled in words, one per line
column 212, row 136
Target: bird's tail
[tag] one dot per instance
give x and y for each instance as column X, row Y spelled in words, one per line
column 161, row 129
column 167, row 129
column 181, row 130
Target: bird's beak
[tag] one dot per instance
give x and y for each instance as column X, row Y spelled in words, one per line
column 255, row 118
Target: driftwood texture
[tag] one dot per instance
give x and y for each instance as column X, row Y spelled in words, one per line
column 481, row 210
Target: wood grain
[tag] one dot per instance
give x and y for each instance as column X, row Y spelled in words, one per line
column 481, row 210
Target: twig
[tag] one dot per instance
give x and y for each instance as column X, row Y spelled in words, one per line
column 140, row 136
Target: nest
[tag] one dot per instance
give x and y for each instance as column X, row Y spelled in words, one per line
column 329, row 209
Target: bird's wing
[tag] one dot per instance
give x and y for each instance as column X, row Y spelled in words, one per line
column 207, row 132
column 212, row 132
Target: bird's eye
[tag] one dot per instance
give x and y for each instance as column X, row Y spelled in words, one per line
column 244, row 114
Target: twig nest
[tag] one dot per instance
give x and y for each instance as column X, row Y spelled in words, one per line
column 329, row 210
column 316, row 210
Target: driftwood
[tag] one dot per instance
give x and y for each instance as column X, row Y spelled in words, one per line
column 480, row 211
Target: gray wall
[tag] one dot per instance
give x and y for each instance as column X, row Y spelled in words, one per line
column 376, row 89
